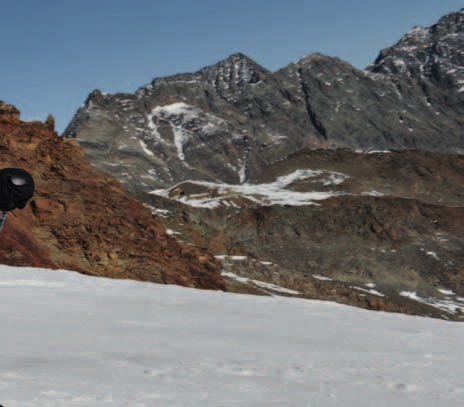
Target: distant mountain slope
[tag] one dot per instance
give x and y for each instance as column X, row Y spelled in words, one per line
column 271, row 172
column 329, row 223
column 230, row 120
column 83, row 220
column 434, row 53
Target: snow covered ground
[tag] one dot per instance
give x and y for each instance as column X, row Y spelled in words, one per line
column 72, row 340
column 271, row 193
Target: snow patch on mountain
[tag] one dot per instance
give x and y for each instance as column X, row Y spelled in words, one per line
column 446, row 292
column 153, row 126
column 145, row 148
column 336, row 178
column 243, row 167
column 371, row 291
column 323, row 278
column 185, row 121
column 261, row 284
column 273, row 193
column 298, row 175
column 447, row 304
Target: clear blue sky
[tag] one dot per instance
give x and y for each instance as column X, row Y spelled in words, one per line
column 54, row 52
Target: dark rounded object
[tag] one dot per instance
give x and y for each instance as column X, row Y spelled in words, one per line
column 18, row 180
column 16, row 188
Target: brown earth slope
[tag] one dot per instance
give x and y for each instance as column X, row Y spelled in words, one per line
column 393, row 221
column 81, row 219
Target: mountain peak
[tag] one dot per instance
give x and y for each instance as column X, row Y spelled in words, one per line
column 450, row 23
column 231, row 75
column 226, row 76
column 239, row 55
column 235, row 58
column 432, row 53
column 318, row 58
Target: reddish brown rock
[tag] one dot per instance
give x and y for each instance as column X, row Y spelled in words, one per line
column 50, row 122
column 81, row 219
column 8, row 112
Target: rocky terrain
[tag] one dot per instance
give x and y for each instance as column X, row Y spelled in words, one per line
column 80, row 219
column 319, row 180
column 231, row 120
column 383, row 230
column 428, row 53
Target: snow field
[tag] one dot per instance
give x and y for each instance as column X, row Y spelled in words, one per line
column 73, row 340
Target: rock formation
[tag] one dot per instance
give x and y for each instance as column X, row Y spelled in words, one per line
column 82, row 220
column 431, row 53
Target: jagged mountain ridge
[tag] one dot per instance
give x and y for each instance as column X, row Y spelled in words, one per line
column 433, row 53
column 228, row 78
column 231, row 120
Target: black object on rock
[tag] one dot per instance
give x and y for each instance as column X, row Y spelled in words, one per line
column 16, row 188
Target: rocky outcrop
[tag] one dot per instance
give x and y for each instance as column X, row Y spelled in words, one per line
column 432, row 53
column 354, row 109
column 50, row 122
column 81, row 219
column 8, row 113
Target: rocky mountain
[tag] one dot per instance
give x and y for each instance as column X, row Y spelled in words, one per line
column 80, row 219
column 432, row 53
column 319, row 180
column 231, row 120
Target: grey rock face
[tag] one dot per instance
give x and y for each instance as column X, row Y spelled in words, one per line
column 356, row 109
column 209, row 125
column 434, row 53
column 229, row 121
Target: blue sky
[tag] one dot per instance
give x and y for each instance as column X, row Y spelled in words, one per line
column 54, row 52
